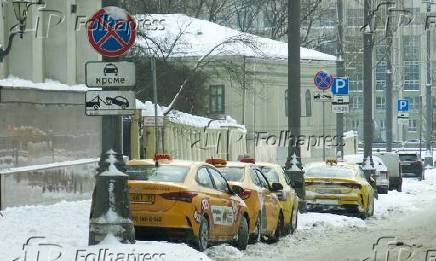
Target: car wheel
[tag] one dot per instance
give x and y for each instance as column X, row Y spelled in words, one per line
column 294, row 220
column 242, row 240
column 400, row 188
column 96, row 107
column 201, row 241
column 256, row 236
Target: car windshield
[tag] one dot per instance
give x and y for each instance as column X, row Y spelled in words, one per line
column 176, row 174
column 329, row 172
column 233, row 173
column 408, row 157
column 270, row 175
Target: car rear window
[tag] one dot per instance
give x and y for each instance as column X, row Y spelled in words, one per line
column 408, row 157
column 270, row 174
column 176, row 174
column 329, row 172
column 233, row 173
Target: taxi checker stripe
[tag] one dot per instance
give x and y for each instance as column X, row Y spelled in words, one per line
column 111, row 32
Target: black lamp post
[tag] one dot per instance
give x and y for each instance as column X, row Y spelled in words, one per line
column 21, row 8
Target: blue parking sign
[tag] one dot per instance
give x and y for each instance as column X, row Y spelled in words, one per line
column 403, row 105
column 340, row 86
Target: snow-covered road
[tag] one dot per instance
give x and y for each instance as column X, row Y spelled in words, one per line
column 320, row 236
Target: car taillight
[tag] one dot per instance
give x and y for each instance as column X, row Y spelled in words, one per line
column 245, row 194
column 185, row 196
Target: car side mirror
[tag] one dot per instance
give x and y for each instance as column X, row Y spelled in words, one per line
column 237, row 189
column 276, row 187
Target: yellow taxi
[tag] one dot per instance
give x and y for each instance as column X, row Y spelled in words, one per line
column 338, row 186
column 174, row 200
column 264, row 211
column 287, row 197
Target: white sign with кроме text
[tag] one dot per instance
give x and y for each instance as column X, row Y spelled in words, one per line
column 110, row 74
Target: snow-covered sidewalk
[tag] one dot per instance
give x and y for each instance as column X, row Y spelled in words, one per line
column 66, row 225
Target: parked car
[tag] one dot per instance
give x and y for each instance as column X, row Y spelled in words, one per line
column 264, row 209
column 287, row 197
column 411, row 165
column 189, row 201
column 338, row 187
column 119, row 101
column 392, row 161
column 381, row 175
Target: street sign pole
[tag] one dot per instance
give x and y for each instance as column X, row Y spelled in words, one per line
column 367, row 81
column 340, row 72
column 323, row 131
column 111, row 192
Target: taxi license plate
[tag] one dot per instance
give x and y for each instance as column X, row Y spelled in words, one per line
column 327, row 202
column 146, row 198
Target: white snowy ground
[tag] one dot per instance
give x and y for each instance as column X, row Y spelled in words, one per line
column 66, row 224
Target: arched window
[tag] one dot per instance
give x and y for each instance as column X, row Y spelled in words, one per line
column 308, row 104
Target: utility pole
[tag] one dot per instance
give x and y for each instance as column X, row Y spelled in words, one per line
column 367, row 80
column 294, row 74
column 389, row 85
column 340, row 72
column 429, row 103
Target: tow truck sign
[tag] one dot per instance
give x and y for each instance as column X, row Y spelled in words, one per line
column 100, row 103
column 110, row 74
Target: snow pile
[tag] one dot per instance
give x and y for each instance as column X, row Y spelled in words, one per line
column 224, row 251
column 186, row 36
column 323, row 221
column 414, row 194
column 66, row 224
column 48, row 85
column 350, row 134
column 188, row 119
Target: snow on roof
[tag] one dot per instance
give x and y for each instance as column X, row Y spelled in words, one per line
column 188, row 119
column 48, row 85
column 358, row 158
column 186, row 36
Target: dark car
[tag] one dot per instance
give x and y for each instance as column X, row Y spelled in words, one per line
column 118, row 100
column 411, row 165
column 110, row 69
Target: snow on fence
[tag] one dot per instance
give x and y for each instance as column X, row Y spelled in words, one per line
column 191, row 137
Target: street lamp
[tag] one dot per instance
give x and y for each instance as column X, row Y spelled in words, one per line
column 21, row 8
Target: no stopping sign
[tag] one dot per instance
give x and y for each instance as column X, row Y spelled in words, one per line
column 112, row 31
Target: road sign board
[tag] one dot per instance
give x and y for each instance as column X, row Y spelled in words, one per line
column 340, row 86
column 403, row 105
column 403, row 118
column 341, row 108
column 323, row 80
column 322, row 96
column 110, row 74
column 338, row 100
column 100, row 103
column 149, row 121
column 111, row 31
